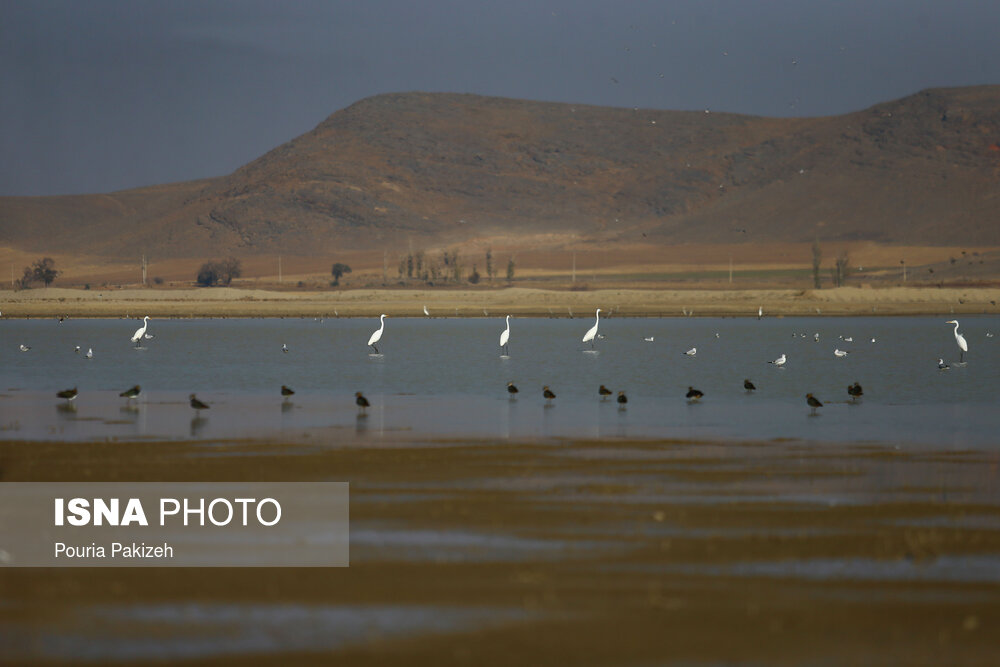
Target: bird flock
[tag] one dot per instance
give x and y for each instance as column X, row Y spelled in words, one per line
column 693, row 395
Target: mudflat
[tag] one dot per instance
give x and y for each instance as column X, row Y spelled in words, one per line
column 551, row 552
column 235, row 302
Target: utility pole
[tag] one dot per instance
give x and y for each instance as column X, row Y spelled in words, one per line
column 574, row 266
column 385, row 266
column 730, row 269
column 144, row 270
column 279, row 269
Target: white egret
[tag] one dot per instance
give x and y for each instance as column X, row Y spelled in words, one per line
column 780, row 361
column 960, row 340
column 839, row 353
column 504, row 337
column 140, row 332
column 760, row 312
column 592, row 332
column 425, row 312
column 377, row 335
column 693, row 351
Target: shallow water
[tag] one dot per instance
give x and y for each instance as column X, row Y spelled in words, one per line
column 445, row 377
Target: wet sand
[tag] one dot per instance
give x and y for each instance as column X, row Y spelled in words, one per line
column 551, row 552
column 233, row 302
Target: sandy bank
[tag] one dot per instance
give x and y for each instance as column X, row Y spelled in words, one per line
column 232, row 302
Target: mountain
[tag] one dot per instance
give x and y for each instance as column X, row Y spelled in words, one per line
column 443, row 168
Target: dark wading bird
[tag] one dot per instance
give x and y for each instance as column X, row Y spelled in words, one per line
column 749, row 386
column 68, row 394
column 694, row 394
column 604, row 392
column 548, row 393
column 622, row 398
column 511, row 389
column 132, row 392
column 813, row 403
column 855, row 391
column 286, row 390
column 196, row 404
column 362, row 402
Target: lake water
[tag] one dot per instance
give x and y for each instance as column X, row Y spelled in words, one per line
column 445, row 377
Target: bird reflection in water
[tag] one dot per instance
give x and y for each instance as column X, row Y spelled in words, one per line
column 66, row 410
column 198, row 424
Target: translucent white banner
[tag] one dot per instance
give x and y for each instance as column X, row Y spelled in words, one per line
column 174, row 524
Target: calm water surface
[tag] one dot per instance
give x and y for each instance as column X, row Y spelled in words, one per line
column 445, row 377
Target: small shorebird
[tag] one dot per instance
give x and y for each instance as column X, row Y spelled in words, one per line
column 780, row 361
column 25, row 348
column 511, row 389
column 361, row 401
column 748, row 385
column 76, row 348
column 68, row 394
column 693, row 351
column 837, row 352
column 649, row 339
column 604, row 392
column 284, row 348
column 132, row 392
column 196, row 404
column 548, row 393
column 90, row 353
column 622, row 398
column 855, row 391
column 942, row 366
column 693, row 394
column 286, row 390
column 813, row 403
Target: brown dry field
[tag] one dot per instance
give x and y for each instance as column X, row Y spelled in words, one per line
column 625, row 599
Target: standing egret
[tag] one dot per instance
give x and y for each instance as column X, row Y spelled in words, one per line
column 780, row 361
column 592, row 332
column 377, row 335
column 960, row 340
column 760, row 312
column 425, row 312
column 196, row 404
column 813, row 403
column 141, row 331
column 504, row 337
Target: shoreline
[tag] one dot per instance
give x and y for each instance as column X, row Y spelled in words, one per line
column 517, row 301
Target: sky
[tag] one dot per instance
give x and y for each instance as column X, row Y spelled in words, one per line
column 99, row 96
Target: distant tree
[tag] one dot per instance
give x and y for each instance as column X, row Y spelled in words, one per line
column 456, row 268
column 474, row 276
column 490, row 269
column 338, row 270
column 409, row 265
column 41, row 270
column 510, row 270
column 219, row 272
column 817, row 259
column 840, row 269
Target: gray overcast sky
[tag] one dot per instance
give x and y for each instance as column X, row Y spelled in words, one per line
column 98, row 96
